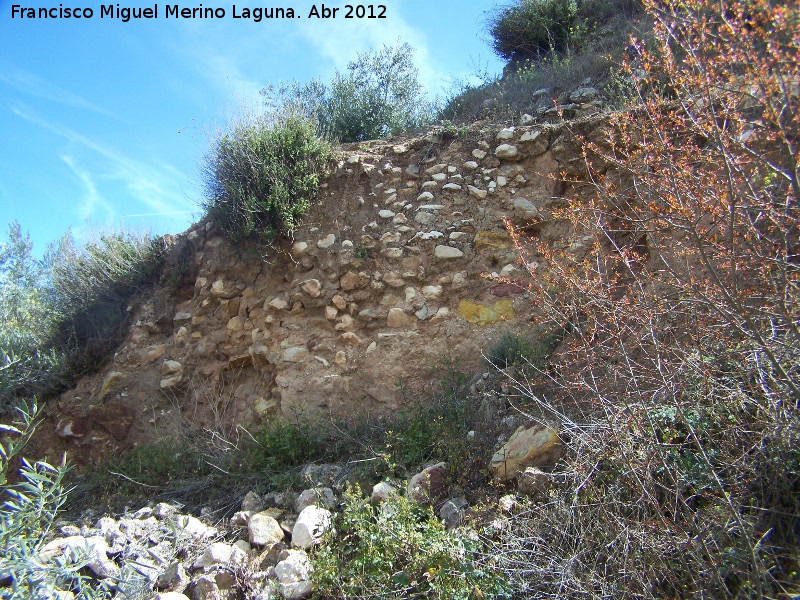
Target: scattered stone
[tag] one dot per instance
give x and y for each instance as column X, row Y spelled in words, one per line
column 439, row 177
column 534, row 446
column 386, row 214
column 320, row 496
column 253, row 502
column 394, row 280
column 431, row 292
column 584, row 94
column 311, row 525
column 296, row 354
column 220, row 554
column 264, row 530
column 351, row 339
column 430, row 485
column 526, row 119
column 279, row 304
column 470, row 165
column 425, row 197
column 225, row 290
column 451, row 187
column 381, row 492
column 479, row 154
column 299, row 249
column 453, row 511
column 534, row 482
column 294, row 573
column 193, row 527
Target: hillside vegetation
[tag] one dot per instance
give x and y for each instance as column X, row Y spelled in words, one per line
column 666, row 355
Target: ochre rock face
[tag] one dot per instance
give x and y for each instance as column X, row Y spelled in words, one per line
column 534, row 446
column 333, row 321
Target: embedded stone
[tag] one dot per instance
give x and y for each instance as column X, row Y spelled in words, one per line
column 296, row 354
column 299, row 249
column 353, row 281
column 507, row 151
column 312, row 287
column 279, row 304
column 479, row 154
column 110, row 380
column 447, row 252
column 394, row 280
column 492, row 240
column 451, row 187
column 326, row 242
column 425, row 197
column 351, row 339
column 478, row 314
column 477, row 192
column 225, row 289
column 398, row 318
column 386, row 214
column 525, row 207
column 432, row 292
column 506, row 133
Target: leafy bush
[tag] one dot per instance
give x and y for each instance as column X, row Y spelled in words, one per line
column 533, row 28
column 261, row 176
column 379, row 96
column 400, row 549
column 26, row 518
column 685, row 359
column 63, row 315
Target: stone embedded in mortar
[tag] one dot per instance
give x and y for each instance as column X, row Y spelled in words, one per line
column 477, row 192
column 312, row 287
column 296, row 354
column 479, row 154
column 478, row 314
column 425, row 197
column 533, row 446
column 225, row 289
column 492, row 240
column 354, row 281
column 398, row 318
column 394, row 280
column 506, row 133
column 299, row 249
column 507, row 152
column 451, row 187
column 525, row 207
column 447, row 252
column 326, row 242
column 386, row 214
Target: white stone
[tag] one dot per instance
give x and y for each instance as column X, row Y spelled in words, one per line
column 506, row 134
column 457, row 235
column 294, row 568
column 279, row 304
column 194, row 527
column 507, row 151
column 311, row 525
column 431, row 207
column 386, row 214
column 425, row 197
column 312, row 287
column 477, row 192
column 296, row 354
column 299, row 249
column 431, row 292
column 326, row 242
column 447, row 252
column 479, row 154
column 530, row 136
column 451, row 187
column 439, row 177
column 320, row 496
column 263, row 529
column 470, row 165
column 381, row 492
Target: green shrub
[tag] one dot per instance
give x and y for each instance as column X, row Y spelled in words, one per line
column 63, row 315
column 533, row 28
column 400, row 549
column 514, row 349
column 379, row 96
column 262, row 176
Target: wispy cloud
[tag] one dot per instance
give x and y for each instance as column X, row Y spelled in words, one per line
column 92, row 198
column 152, row 185
column 29, row 84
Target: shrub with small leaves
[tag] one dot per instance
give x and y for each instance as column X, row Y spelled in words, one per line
column 262, row 176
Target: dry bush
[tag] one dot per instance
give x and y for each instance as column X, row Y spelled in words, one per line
column 678, row 388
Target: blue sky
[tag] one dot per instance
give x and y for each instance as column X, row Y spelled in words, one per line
column 103, row 123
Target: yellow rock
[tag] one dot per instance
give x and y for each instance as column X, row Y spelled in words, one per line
column 478, row 314
column 111, row 379
column 491, row 240
column 534, row 446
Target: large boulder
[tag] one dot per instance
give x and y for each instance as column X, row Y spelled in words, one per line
column 533, row 446
column 310, row 526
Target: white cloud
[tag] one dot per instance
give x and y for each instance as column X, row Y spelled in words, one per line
column 152, row 185
column 31, row 85
column 92, row 198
